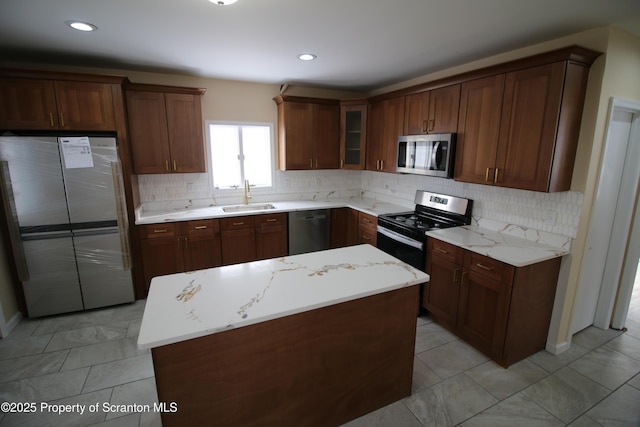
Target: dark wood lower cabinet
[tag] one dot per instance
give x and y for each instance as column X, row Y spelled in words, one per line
column 180, row 246
column 501, row 310
column 251, row 238
column 344, row 227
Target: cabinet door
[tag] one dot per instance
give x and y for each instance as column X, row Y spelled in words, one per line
column 271, row 242
column 238, row 246
column 148, row 129
column 530, row 113
column 441, row 294
column 478, row 129
column 444, row 105
column 184, row 127
column 344, row 227
column 296, row 138
column 161, row 256
column 416, row 114
column 202, row 251
column 375, row 135
column 85, row 106
column 353, row 134
column 394, row 127
column 483, row 313
column 27, row 104
column 367, row 229
column 326, row 136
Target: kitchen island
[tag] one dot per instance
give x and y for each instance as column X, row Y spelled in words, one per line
column 311, row 339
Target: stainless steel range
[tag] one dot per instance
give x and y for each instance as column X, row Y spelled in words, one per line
column 403, row 234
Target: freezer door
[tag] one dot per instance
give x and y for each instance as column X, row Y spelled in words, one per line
column 36, row 179
column 90, row 190
column 101, row 267
column 53, row 285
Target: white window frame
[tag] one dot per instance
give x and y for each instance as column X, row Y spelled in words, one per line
column 211, row 172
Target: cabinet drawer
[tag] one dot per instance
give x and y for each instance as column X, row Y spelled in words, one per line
column 153, row 231
column 268, row 220
column 489, row 267
column 445, row 250
column 236, row 223
column 367, row 222
column 205, row 226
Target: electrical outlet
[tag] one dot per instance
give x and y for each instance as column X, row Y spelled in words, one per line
column 189, row 187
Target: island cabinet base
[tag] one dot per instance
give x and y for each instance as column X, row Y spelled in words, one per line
column 322, row 367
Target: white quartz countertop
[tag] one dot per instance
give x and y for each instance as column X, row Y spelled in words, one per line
column 190, row 305
column 515, row 246
column 157, row 214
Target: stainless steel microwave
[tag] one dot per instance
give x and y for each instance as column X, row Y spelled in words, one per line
column 431, row 155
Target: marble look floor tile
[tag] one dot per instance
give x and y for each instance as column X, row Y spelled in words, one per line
column 141, row 392
column 593, row 337
column 423, row 376
column 25, row 328
column 432, row 335
column 134, row 328
column 150, row 420
column 130, row 311
column 72, row 419
column 607, row 367
column 31, row 366
column 516, row 411
column 68, row 322
column 393, row 414
column 627, row 345
column 635, row 382
column 584, row 421
column 17, row 347
column 89, row 335
column 566, row 394
column 451, row 359
column 501, row 382
column 552, row 362
column 103, row 352
column 621, row 408
column 45, row 387
column 449, row 402
column 119, row 372
column 131, row 420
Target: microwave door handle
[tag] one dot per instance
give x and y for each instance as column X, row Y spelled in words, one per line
column 434, row 156
column 411, row 154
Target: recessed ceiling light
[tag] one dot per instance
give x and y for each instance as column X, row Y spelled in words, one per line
column 306, row 57
column 81, row 26
column 223, row 2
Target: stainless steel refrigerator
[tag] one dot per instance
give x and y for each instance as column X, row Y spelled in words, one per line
column 65, row 206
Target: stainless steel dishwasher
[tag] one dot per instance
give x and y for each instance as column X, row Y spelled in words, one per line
column 308, row 231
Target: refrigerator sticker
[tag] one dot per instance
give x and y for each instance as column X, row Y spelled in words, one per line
column 76, row 152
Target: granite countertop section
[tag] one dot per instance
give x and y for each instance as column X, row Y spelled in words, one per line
column 155, row 215
column 513, row 245
column 190, row 305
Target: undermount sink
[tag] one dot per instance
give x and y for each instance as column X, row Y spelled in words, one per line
column 247, row 208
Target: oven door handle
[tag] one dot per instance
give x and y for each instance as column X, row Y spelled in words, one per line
column 400, row 238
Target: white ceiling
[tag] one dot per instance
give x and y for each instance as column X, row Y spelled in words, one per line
column 360, row 44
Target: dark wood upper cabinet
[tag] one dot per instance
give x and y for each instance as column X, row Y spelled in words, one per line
column 308, row 133
column 385, row 125
column 520, row 129
column 353, row 133
column 478, row 128
column 434, row 111
column 40, row 104
column 165, row 124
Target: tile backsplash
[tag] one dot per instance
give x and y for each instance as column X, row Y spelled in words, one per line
column 556, row 213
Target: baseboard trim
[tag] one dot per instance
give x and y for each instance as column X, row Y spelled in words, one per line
column 6, row 328
column 558, row 348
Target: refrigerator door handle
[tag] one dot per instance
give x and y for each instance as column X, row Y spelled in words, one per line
column 8, row 202
column 95, row 232
column 123, row 224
